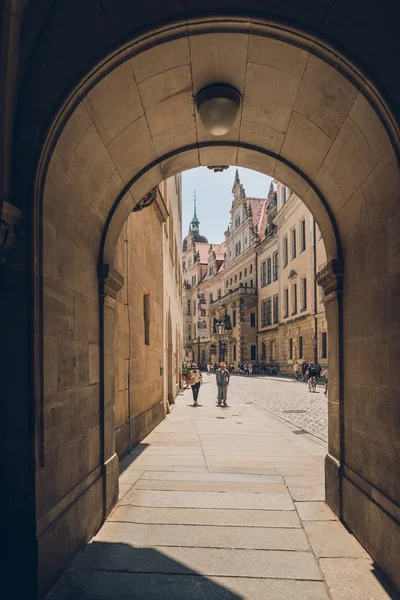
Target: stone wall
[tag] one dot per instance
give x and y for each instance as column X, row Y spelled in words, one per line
column 138, row 379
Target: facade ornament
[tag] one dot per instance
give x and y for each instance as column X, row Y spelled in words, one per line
column 147, row 200
column 330, row 278
column 218, row 168
column 292, row 274
column 111, row 281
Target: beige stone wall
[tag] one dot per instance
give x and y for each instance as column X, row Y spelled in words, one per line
column 138, row 379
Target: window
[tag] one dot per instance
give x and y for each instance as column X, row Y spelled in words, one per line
column 253, row 352
column 194, row 332
column 263, row 273
column 276, row 309
column 269, row 270
column 189, row 332
column 238, row 248
column 245, row 240
column 263, row 313
column 268, row 311
column 294, row 298
column 303, row 293
column 285, row 251
column 245, row 272
column 234, row 351
column 293, row 244
column 252, row 319
column 193, row 280
column 302, row 235
column 234, row 318
column 251, row 269
column 286, row 302
column 290, row 348
column 235, row 278
column 231, row 281
column 237, row 221
column 240, row 275
column 184, row 266
column 276, row 266
column 251, row 283
column 324, row 349
column 301, row 346
column 219, row 293
column 146, row 318
column 211, row 298
column 226, row 283
column 194, row 308
column 188, row 308
column 284, row 198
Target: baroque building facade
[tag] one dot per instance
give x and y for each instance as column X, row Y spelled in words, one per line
column 260, row 283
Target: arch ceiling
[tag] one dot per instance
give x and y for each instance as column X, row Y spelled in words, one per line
column 131, row 123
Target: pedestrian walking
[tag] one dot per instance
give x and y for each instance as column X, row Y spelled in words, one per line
column 304, row 369
column 296, row 370
column 208, row 368
column 325, row 374
column 222, row 379
column 196, row 378
column 250, row 367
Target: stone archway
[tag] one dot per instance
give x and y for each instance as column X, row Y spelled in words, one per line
column 130, row 125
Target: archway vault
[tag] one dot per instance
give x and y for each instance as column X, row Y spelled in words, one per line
column 308, row 118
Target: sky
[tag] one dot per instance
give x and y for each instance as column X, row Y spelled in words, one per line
column 214, row 197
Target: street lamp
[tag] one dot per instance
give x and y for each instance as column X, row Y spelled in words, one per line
column 220, row 327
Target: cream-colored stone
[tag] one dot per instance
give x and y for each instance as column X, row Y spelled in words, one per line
column 49, row 364
column 133, row 149
column 350, row 159
column 85, row 236
column 71, row 265
column 171, row 112
column 218, row 59
column 187, row 160
column 217, row 155
column 325, row 96
column 74, row 130
column 368, row 122
column 329, row 189
column 86, row 319
column 180, row 136
column 58, row 309
column 49, row 250
column 277, row 54
column 270, row 97
column 160, row 58
column 94, row 363
column 91, row 166
column 305, row 145
column 314, row 204
column 259, row 135
column 256, row 161
column 352, row 217
column 114, row 103
column 163, row 86
column 61, row 198
column 381, row 191
column 109, row 194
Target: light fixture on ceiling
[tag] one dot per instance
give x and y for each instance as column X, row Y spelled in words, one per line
column 218, row 105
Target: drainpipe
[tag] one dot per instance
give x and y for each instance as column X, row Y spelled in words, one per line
column 315, row 338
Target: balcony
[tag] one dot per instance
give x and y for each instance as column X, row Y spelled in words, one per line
column 239, row 291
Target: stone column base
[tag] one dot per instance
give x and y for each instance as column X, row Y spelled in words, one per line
column 333, row 484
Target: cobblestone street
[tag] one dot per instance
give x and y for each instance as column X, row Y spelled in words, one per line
column 285, row 398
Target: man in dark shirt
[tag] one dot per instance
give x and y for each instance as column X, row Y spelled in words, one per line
column 222, row 378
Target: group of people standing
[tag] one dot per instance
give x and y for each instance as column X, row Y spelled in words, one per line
column 194, row 378
column 307, row 370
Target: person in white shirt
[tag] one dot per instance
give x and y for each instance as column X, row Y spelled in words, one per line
column 196, row 378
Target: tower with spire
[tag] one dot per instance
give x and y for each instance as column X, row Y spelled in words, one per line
column 194, row 226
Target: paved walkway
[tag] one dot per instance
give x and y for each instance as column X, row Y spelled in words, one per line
column 222, row 504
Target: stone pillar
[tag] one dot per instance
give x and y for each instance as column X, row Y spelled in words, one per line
column 330, row 278
column 110, row 283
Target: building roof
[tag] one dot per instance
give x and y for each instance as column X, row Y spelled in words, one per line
column 258, row 208
column 202, row 249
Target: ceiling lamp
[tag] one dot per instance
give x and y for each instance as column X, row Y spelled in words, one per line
column 218, row 104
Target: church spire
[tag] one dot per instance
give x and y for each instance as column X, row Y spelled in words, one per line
column 237, row 179
column 194, row 223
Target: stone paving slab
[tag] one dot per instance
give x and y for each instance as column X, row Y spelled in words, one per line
column 331, row 539
column 211, row 486
column 355, row 579
column 207, row 561
column 303, row 493
column 206, row 516
column 218, row 477
column 314, row 511
column 86, row 585
column 204, row 536
column 238, row 500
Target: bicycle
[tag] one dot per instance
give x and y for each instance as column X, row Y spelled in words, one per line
column 312, row 384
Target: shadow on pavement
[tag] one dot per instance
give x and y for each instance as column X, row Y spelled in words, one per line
column 118, row 571
column 128, row 459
